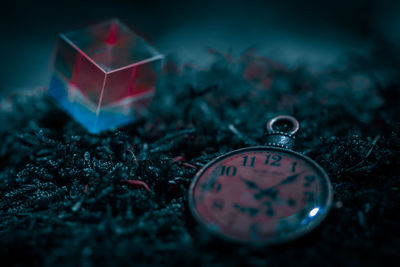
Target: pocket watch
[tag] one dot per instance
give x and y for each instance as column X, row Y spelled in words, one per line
column 263, row 194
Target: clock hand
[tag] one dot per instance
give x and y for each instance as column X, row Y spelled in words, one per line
column 272, row 192
column 249, row 184
column 291, row 178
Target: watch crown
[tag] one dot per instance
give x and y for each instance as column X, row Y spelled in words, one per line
column 279, row 138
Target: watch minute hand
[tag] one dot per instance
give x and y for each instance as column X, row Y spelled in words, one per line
column 291, row 178
column 272, row 191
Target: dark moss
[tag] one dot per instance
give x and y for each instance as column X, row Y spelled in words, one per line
column 63, row 203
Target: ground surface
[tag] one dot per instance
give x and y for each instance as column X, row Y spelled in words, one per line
column 65, row 201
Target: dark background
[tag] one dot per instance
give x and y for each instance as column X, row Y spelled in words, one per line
column 316, row 32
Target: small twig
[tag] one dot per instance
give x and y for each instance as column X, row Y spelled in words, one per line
column 170, row 136
column 180, row 161
column 136, row 184
column 134, row 158
column 246, row 139
column 376, row 139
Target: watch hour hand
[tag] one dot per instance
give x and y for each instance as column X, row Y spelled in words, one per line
column 249, row 184
column 270, row 192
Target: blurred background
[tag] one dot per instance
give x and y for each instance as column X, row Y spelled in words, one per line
column 317, row 33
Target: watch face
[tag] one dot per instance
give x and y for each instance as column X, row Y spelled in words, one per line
column 260, row 195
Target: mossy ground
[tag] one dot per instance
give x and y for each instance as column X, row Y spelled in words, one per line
column 65, row 201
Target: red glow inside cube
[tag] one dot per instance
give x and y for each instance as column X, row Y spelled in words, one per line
column 104, row 75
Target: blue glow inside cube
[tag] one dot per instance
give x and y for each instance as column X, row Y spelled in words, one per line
column 104, row 75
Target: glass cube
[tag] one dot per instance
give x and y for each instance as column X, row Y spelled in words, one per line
column 104, row 75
